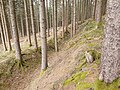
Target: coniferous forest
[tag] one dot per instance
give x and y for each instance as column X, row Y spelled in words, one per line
column 59, row 44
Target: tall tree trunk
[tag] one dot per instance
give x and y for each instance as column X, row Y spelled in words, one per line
column 66, row 18
column 83, row 11
column 44, row 64
column 33, row 25
column 98, row 11
column 14, row 30
column 55, row 25
column 86, row 9
column 104, row 2
column 94, row 14
column 110, row 61
column 27, row 23
column 53, row 18
column 63, row 17
column 18, row 27
column 2, row 36
column 47, row 19
column 90, row 8
column 50, row 3
column 78, row 13
column 72, row 10
column 6, row 28
column 74, row 17
column 22, row 25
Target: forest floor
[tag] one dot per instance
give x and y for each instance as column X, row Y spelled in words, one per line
column 68, row 69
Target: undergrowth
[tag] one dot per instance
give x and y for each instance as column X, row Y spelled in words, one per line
column 91, row 38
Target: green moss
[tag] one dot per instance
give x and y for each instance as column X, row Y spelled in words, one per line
column 99, row 85
column 84, row 86
column 75, row 78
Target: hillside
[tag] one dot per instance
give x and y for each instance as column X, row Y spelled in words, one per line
column 68, row 69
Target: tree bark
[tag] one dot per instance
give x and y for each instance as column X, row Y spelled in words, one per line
column 6, row 27
column 27, row 23
column 71, row 33
column 53, row 31
column 22, row 26
column 95, row 9
column 47, row 19
column 83, row 11
column 74, row 17
column 2, row 36
column 14, row 30
column 110, row 60
column 44, row 64
column 63, row 17
column 67, row 12
column 33, row 25
column 55, row 25
column 98, row 11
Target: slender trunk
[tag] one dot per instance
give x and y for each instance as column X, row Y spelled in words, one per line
column 14, row 30
column 90, row 8
column 22, row 25
column 6, row 28
column 50, row 23
column 18, row 28
column 44, row 64
column 95, row 9
column 47, row 19
column 83, row 11
column 2, row 37
column 66, row 18
column 53, row 19
column 55, row 25
column 27, row 23
column 74, row 17
column 63, row 18
column 33, row 25
column 87, row 9
column 50, row 3
column 98, row 11
column 78, row 14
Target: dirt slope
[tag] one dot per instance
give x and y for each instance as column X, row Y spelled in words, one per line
column 63, row 64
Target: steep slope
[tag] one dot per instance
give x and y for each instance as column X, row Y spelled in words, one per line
column 68, row 69
column 70, row 61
